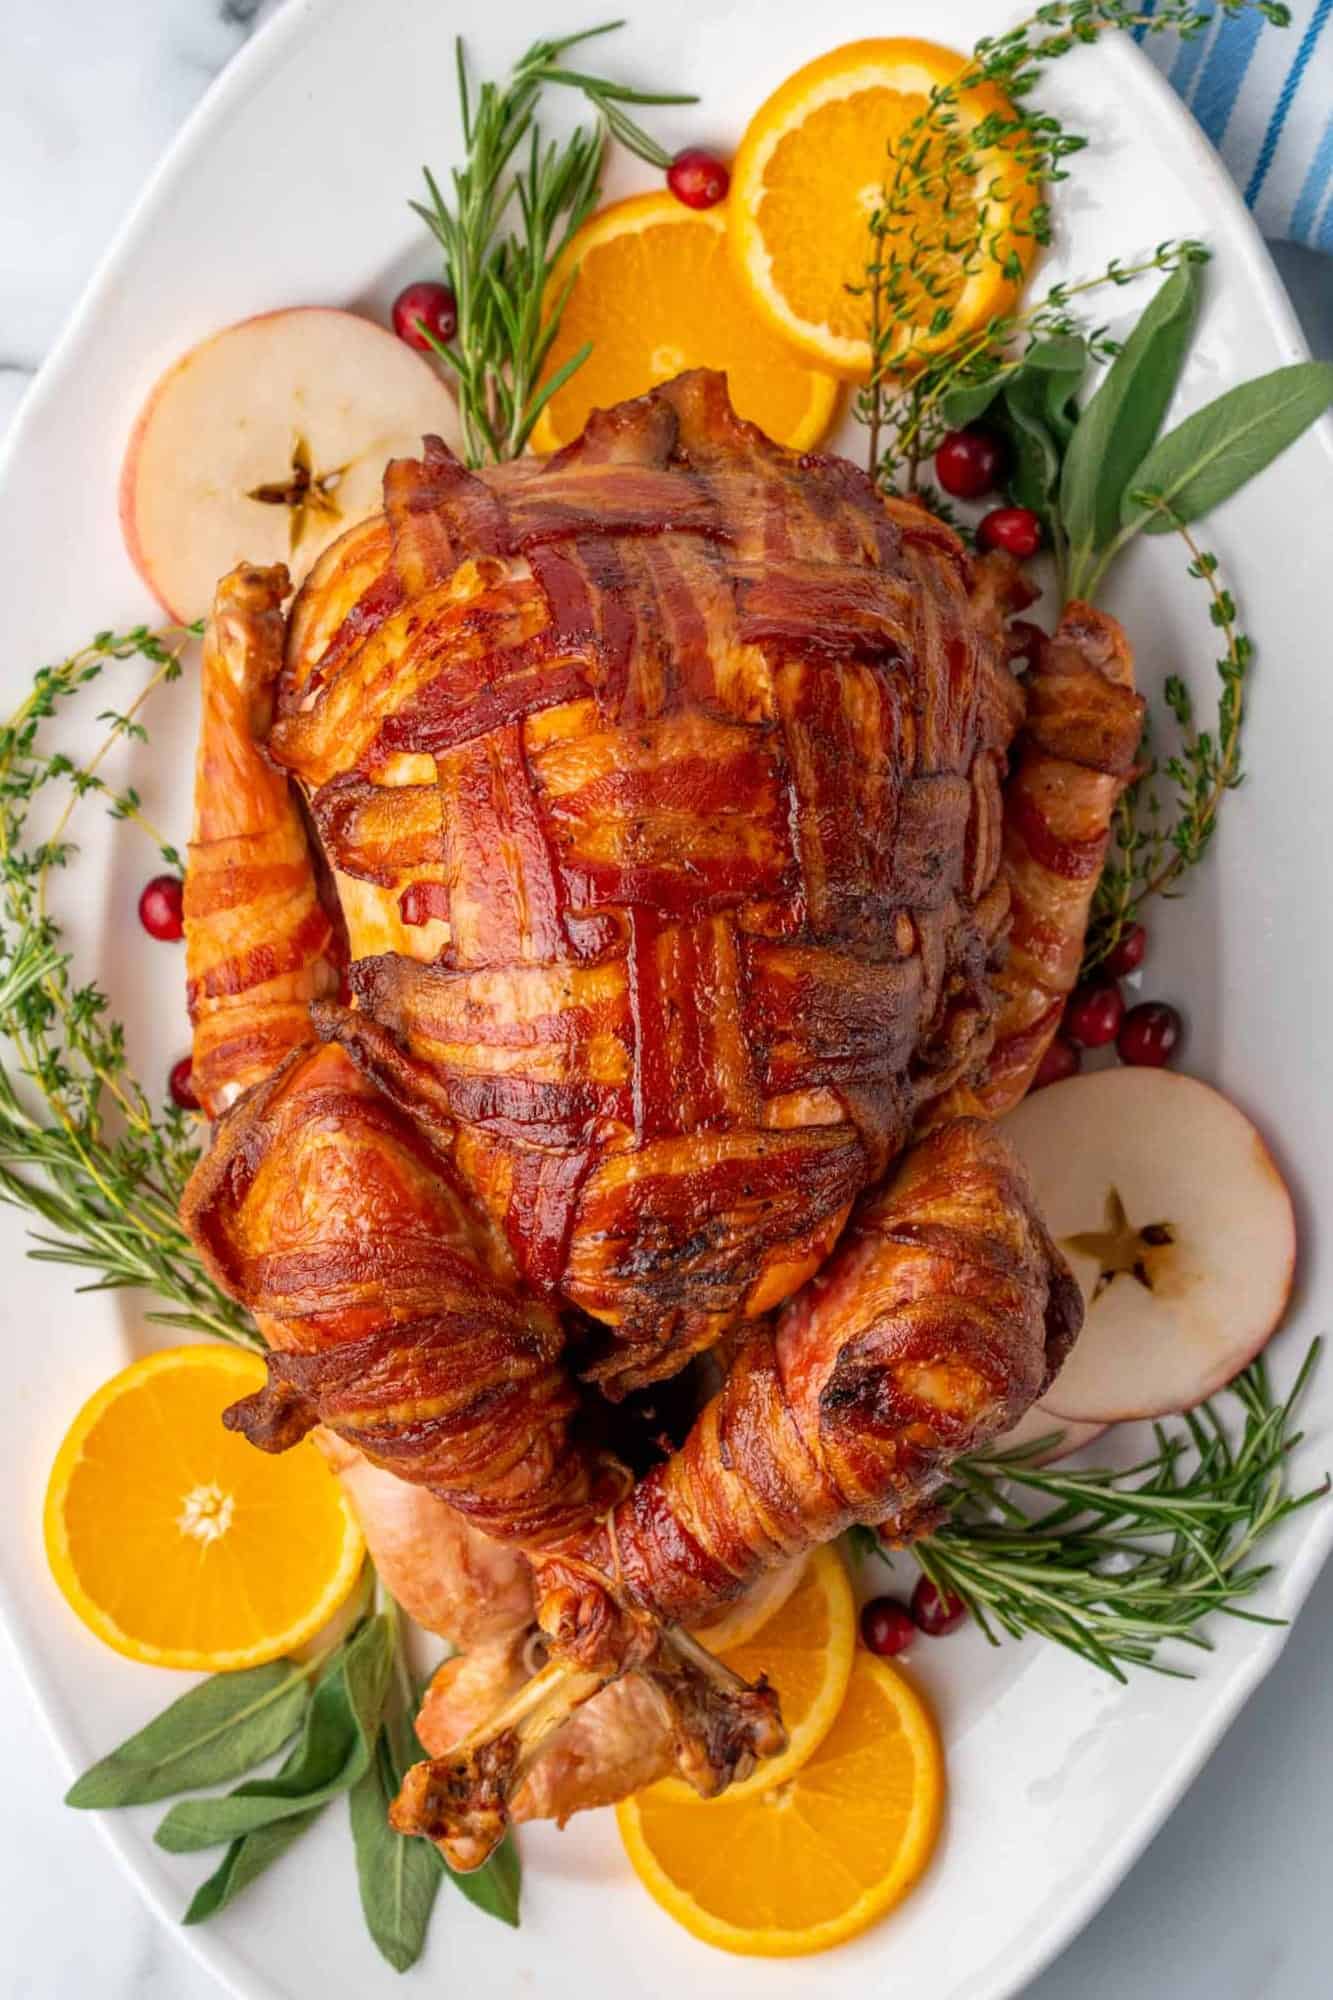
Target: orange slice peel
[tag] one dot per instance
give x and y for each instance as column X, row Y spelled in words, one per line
column 810, row 173
column 654, row 292
column 178, row 1543
column 815, row 1859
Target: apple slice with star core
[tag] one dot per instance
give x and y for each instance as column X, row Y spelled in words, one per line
column 265, row 442
column 1178, row 1227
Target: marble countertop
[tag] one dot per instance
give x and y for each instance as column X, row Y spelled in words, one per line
column 1221, row 1907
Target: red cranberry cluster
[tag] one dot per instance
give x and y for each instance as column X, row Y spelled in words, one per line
column 162, row 914
column 889, row 1626
column 973, row 462
column 1145, row 1036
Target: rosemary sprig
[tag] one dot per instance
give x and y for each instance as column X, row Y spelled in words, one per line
column 1119, row 1564
column 499, row 272
column 82, row 1146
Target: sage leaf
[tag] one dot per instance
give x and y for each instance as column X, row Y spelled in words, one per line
column 224, row 1726
column 1058, row 354
column 1034, row 468
column 335, row 1747
column 399, row 1876
column 495, row 1887
column 1060, row 360
column 1120, row 421
column 247, row 1858
column 1211, row 454
column 962, row 406
column 243, row 1861
column 1063, row 362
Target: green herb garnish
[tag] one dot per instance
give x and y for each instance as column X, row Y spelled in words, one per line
column 83, row 1146
column 1096, row 475
column 516, row 202
column 1119, row 1564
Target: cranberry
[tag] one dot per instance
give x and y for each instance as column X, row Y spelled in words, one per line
column 1127, row 955
column 886, row 1626
column 1061, row 1059
column 1094, row 1014
column 1016, row 530
column 181, row 1085
column 1148, row 1034
column 698, row 179
column 162, row 907
column 934, row 1611
column 434, row 305
column 969, row 463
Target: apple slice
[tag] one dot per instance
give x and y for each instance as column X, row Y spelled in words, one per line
column 1177, row 1225
column 1043, row 1423
column 265, row 442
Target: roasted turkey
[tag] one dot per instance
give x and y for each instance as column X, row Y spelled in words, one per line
column 624, row 889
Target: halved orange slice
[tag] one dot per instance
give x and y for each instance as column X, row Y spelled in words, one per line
column 806, row 1650
column 655, row 294
column 810, row 173
column 813, row 1860
column 175, row 1540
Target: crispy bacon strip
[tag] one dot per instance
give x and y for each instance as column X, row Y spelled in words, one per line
column 327, row 1210
column 259, row 945
column 941, row 1317
column 396, row 1326
column 1075, row 755
column 691, row 924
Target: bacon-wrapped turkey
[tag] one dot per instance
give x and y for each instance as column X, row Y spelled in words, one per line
column 664, row 822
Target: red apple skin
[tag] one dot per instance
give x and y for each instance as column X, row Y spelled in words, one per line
column 129, row 464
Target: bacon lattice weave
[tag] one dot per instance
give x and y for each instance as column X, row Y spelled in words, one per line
column 695, row 746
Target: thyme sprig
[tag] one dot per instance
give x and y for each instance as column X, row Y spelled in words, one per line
column 1151, row 850
column 516, row 202
column 83, row 1147
column 963, row 192
column 907, row 415
column 1117, row 1565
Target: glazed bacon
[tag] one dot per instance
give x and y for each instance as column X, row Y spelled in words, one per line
column 389, row 1310
column 942, row 1315
column 714, row 734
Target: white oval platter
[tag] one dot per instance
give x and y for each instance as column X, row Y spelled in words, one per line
column 289, row 186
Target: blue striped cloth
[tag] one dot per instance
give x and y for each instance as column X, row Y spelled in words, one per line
column 1264, row 96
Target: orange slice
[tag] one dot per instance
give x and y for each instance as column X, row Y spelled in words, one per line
column 806, row 1649
column 811, row 171
column 762, row 1601
column 175, row 1540
column 656, row 293
column 810, row 1862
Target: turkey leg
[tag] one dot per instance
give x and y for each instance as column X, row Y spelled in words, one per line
column 944, row 1313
